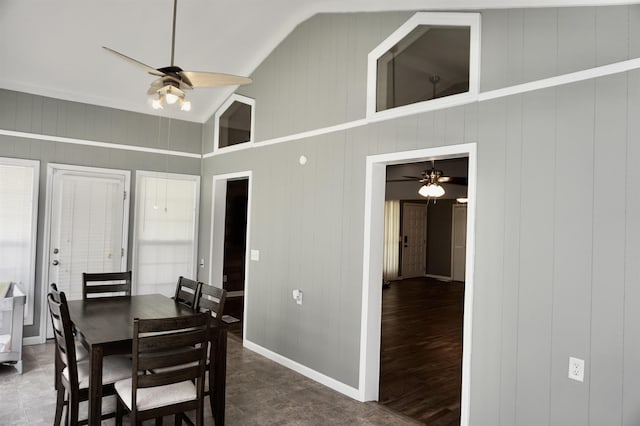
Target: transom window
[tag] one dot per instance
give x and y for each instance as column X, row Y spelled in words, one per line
column 431, row 57
column 234, row 122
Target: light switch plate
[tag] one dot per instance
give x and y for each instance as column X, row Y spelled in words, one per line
column 255, row 255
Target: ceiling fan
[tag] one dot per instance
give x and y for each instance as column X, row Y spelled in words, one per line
column 172, row 80
column 431, row 180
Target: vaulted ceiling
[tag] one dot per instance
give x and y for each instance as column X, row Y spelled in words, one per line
column 53, row 48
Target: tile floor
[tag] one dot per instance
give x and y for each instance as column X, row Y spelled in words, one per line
column 259, row 392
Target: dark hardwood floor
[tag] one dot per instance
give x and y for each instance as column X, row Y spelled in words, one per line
column 421, row 350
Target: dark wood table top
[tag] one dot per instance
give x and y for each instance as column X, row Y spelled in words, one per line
column 109, row 320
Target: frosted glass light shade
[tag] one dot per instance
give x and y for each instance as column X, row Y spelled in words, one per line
column 432, row 190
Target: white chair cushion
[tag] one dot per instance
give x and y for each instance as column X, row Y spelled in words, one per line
column 158, row 396
column 114, row 368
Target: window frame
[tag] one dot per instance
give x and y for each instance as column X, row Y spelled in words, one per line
column 30, row 287
column 471, row 20
column 168, row 175
column 216, row 123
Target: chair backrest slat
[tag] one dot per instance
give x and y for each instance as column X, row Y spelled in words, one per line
column 187, row 292
column 106, row 283
column 212, row 299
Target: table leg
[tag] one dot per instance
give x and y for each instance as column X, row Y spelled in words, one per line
column 220, row 376
column 95, row 385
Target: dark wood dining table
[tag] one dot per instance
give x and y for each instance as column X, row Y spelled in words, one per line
column 105, row 326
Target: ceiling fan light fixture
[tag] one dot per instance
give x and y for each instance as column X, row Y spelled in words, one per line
column 185, row 105
column 171, row 97
column 157, row 103
column 432, row 190
column 462, row 200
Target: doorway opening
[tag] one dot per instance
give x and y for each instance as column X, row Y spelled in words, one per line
column 422, row 305
column 235, row 248
column 373, row 271
column 230, row 244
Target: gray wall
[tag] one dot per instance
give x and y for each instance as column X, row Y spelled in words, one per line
column 439, row 215
column 558, row 211
column 46, row 116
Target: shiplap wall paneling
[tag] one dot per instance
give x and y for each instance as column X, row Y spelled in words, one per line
column 631, row 352
column 573, row 199
column 608, row 251
column 489, row 263
column 358, row 143
column 511, row 261
column 576, row 39
column 536, row 261
column 494, row 49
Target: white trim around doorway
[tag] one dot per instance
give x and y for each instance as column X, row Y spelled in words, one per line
column 216, row 243
column 369, row 377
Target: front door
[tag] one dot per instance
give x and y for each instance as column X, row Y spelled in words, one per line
column 414, row 240
column 88, row 223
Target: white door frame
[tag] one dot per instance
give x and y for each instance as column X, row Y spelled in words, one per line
column 372, row 265
column 216, row 244
column 51, row 168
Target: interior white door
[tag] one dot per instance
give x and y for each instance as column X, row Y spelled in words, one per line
column 87, row 222
column 414, row 240
column 459, row 242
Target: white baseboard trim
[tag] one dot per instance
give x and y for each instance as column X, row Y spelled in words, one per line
column 34, row 340
column 329, row 382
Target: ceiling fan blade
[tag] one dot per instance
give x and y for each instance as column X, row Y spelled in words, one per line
column 412, row 177
column 213, row 79
column 147, row 68
column 453, row 180
column 400, row 180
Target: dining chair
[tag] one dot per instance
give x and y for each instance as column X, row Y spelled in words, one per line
column 177, row 386
column 187, row 292
column 73, row 379
column 212, row 300
column 106, row 284
column 81, row 352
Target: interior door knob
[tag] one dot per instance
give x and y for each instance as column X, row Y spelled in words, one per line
column 55, row 263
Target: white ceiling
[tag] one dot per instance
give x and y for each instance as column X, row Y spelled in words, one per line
column 53, row 48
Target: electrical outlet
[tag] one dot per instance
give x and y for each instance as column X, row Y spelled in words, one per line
column 576, row 369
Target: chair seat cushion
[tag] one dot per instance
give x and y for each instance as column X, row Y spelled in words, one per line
column 158, row 396
column 114, row 368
